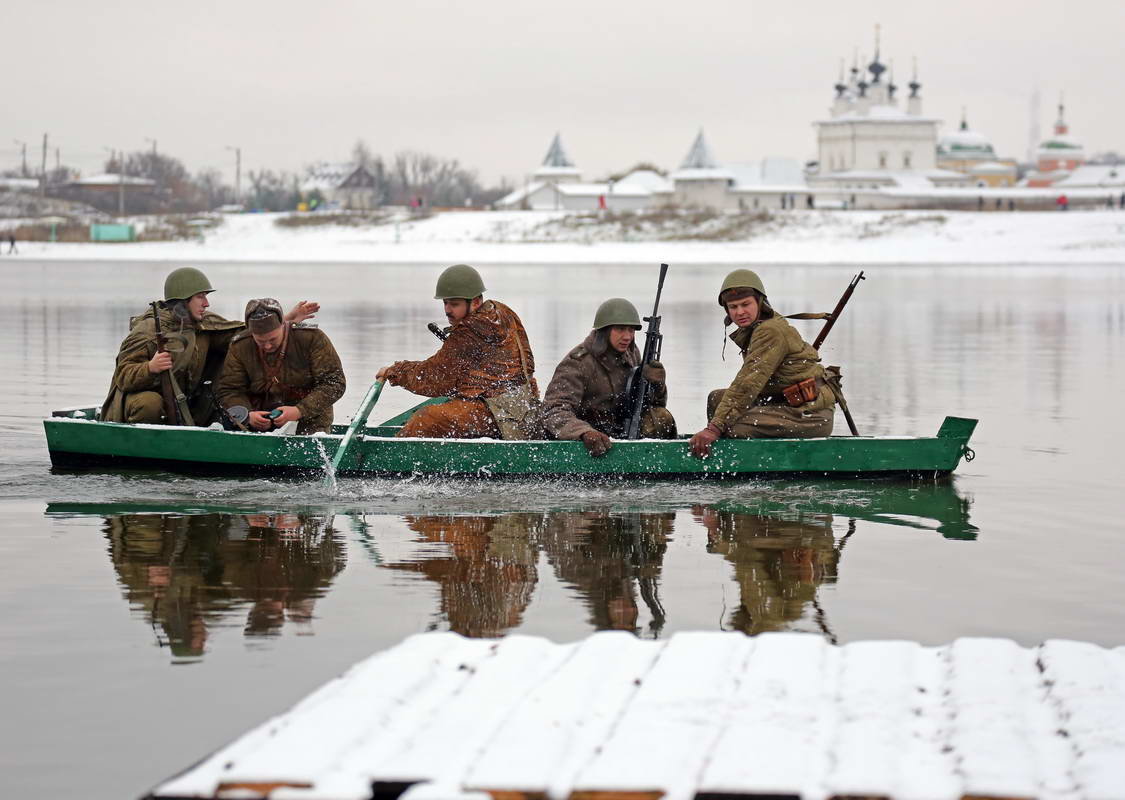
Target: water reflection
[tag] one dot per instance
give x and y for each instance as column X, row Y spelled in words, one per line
column 610, row 560
column 779, row 565
column 487, row 572
column 189, row 574
column 189, row 571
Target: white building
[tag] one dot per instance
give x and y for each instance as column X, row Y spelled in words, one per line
column 869, row 142
column 556, row 185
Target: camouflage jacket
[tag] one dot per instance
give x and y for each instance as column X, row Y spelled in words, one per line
column 586, row 388
column 773, row 356
column 197, row 349
column 480, row 359
column 310, row 377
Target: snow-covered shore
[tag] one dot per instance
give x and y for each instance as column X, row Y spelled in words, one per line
column 819, row 237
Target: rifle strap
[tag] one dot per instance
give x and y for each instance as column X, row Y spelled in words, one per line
column 181, row 400
column 809, row 315
column 523, row 359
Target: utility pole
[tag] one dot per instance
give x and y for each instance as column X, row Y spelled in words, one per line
column 113, row 156
column 58, row 163
column 237, row 173
column 43, row 170
column 23, row 146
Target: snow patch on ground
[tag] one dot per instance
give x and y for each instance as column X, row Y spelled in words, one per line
column 798, row 237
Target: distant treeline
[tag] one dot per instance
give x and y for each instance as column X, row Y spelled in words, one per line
column 405, row 178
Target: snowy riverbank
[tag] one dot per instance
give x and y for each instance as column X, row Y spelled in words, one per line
column 820, row 237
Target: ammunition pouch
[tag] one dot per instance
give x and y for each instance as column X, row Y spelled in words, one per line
column 797, row 394
column 517, row 413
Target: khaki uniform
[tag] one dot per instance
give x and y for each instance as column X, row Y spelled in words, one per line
column 309, row 377
column 197, row 348
column 773, row 356
column 480, row 360
column 585, row 391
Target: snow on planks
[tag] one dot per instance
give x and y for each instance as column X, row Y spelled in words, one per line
column 700, row 716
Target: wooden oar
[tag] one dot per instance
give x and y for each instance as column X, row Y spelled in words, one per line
column 358, row 421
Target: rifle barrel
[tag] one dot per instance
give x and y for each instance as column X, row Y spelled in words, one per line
column 837, row 311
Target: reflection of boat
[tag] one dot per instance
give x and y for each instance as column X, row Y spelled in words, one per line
column 924, row 506
column 76, row 439
column 921, row 505
column 188, row 573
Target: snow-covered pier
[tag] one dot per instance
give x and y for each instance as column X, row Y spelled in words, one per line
column 707, row 716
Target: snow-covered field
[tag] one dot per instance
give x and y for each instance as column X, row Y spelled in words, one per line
column 819, row 237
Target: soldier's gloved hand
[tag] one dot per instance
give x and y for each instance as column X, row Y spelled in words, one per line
column 702, row 441
column 597, row 443
column 653, row 372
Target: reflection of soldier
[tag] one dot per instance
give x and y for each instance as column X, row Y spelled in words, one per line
column 487, row 580
column 779, row 564
column 603, row 555
column 188, row 572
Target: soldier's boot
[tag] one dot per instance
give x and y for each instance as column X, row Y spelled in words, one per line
column 658, row 423
column 144, row 407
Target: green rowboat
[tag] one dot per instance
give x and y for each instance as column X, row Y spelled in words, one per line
column 77, row 440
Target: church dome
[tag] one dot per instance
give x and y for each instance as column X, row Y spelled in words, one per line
column 965, row 143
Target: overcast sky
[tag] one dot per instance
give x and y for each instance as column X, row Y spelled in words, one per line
column 490, row 81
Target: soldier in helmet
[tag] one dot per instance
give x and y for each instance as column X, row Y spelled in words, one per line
column 198, row 341
column 485, row 367
column 283, row 366
column 780, row 391
column 584, row 400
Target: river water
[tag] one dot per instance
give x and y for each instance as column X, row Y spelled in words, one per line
column 148, row 618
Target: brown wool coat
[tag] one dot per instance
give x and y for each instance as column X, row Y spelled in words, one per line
column 773, row 356
column 311, row 378
column 198, row 349
column 480, row 358
column 584, row 391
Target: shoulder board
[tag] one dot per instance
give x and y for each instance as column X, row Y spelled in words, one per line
column 579, row 352
column 241, row 336
column 305, row 326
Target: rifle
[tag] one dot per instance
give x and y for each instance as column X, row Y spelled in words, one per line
column 837, row 311
column 637, row 389
column 438, row 332
column 171, row 412
column 835, row 315
column 176, row 410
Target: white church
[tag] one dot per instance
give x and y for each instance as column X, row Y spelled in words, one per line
column 874, row 150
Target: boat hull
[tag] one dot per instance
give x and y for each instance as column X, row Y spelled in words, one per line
column 83, row 443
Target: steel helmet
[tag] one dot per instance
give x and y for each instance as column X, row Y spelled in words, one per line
column 741, row 279
column 185, row 282
column 459, row 282
column 617, row 311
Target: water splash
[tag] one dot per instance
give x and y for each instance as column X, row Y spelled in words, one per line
column 329, row 470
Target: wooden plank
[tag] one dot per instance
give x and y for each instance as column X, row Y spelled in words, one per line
column 714, row 716
column 877, row 748
column 388, row 691
column 775, row 744
column 662, row 740
column 997, row 731
column 557, row 729
column 1087, row 685
column 453, row 735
